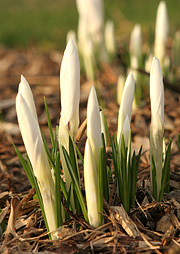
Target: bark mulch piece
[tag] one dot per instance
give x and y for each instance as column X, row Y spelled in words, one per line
column 150, row 227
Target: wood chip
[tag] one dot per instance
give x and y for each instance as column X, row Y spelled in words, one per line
column 122, row 217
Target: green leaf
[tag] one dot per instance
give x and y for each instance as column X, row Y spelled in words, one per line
column 166, row 173
column 58, row 192
column 73, row 159
column 134, row 172
column 154, row 179
column 100, row 184
column 76, row 184
column 105, row 172
column 48, row 152
column 33, row 181
column 79, row 154
column 106, row 128
column 49, row 123
column 123, row 167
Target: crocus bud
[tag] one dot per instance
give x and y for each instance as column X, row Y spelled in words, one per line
column 91, row 185
column 94, row 125
column 120, row 87
column 95, row 19
column 109, row 37
column 70, row 88
column 31, row 135
column 25, row 90
column 161, row 31
column 126, row 103
column 136, row 41
column 82, row 34
column 157, row 118
column 70, row 97
column 125, row 131
column 71, row 35
column 148, row 62
column 89, row 60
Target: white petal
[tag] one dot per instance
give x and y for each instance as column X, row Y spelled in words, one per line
column 91, row 185
column 136, row 41
column 94, row 124
column 70, row 86
column 126, row 102
column 95, row 15
column 162, row 23
column 25, row 91
column 125, row 130
column 157, row 90
column 34, row 146
column 109, row 37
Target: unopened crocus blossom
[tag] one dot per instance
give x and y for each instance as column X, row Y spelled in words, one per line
column 89, row 60
column 157, row 119
column 91, row 185
column 126, row 103
column 70, row 97
column 94, row 125
column 71, row 35
column 126, row 130
column 91, row 23
column 30, row 131
column 136, row 41
column 109, row 37
column 161, row 32
column 25, row 90
column 120, row 87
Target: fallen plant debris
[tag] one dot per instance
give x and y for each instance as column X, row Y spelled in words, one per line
column 29, row 229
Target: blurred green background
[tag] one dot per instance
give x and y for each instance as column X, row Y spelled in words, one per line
column 45, row 23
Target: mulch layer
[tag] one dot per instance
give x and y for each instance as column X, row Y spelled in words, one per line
column 150, row 227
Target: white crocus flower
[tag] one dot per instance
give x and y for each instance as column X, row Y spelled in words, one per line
column 148, row 62
column 126, row 103
column 70, row 97
column 82, row 34
column 31, row 135
column 95, row 19
column 125, row 131
column 91, row 24
column 25, row 90
column 120, row 87
column 157, row 118
column 134, row 66
column 161, row 31
column 94, row 125
column 89, row 60
column 109, row 37
column 71, row 35
column 91, row 185
column 136, row 41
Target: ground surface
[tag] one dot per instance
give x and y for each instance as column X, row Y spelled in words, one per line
column 155, row 226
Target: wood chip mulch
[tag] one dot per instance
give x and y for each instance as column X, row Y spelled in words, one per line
column 150, row 227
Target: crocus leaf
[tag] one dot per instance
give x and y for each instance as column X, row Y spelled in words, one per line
column 76, row 184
